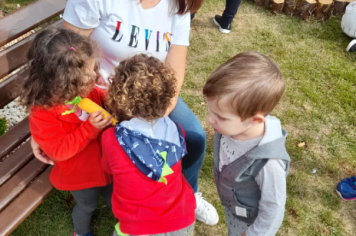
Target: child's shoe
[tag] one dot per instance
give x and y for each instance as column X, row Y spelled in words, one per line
column 352, row 46
column 223, row 27
column 87, row 234
column 347, row 188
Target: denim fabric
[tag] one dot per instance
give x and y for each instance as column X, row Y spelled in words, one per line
column 230, row 11
column 195, row 139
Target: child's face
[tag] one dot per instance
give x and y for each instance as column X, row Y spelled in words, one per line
column 89, row 76
column 224, row 121
column 89, row 71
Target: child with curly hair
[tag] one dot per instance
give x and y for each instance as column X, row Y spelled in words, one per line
column 143, row 152
column 61, row 67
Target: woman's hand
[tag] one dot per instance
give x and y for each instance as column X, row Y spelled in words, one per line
column 243, row 234
column 39, row 154
column 96, row 119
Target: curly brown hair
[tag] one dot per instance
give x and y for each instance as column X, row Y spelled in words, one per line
column 58, row 59
column 142, row 87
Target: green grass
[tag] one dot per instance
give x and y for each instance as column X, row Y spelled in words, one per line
column 2, row 126
column 318, row 108
column 11, row 5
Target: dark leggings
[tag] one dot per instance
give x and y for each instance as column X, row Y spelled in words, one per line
column 87, row 201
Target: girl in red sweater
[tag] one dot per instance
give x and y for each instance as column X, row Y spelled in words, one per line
column 143, row 152
column 61, row 67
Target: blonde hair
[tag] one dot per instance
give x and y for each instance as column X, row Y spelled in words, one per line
column 141, row 87
column 249, row 83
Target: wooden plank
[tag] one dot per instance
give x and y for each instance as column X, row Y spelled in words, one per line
column 14, row 137
column 15, row 162
column 7, row 86
column 16, row 56
column 27, row 202
column 19, row 182
column 29, row 17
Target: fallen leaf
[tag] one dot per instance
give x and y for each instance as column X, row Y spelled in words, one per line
column 302, row 144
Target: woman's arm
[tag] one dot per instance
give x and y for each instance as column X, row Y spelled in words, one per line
column 84, row 32
column 176, row 58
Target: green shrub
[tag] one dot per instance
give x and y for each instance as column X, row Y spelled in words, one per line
column 2, row 126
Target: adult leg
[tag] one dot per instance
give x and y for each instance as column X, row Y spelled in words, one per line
column 195, row 140
column 230, row 10
column 224, row 21
column 87, row 201
column 191, row 163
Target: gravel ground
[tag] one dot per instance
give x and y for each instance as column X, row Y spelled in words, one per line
column 14, row 113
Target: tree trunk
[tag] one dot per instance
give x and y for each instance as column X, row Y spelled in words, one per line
column 260, row 3
column 289, row 7
column 323, row 9
column 277, row 6
column 339, row 7
column 268, row 4
column 306, row 9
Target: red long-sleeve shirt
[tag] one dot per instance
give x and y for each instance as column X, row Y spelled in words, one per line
column 142, row 205
column 73, row 145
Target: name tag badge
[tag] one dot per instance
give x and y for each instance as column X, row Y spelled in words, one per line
column 240, row 211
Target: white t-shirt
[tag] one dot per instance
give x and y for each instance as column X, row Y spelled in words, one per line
column 122, row 28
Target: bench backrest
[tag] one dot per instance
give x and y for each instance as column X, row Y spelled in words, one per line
column 15, row 25
column 23, row 179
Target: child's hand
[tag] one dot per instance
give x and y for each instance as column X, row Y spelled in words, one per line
column 39, row 154
column 96, row 119
column 243, row 234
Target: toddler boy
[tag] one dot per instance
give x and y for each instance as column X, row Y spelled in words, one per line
column 250, row 159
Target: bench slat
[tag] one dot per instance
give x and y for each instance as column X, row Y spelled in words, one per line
column 29, row 17
column 16, row 56
column 7, row 86
column 18, row 182
column 15, row 162
column 14, row 137
column 27, row 202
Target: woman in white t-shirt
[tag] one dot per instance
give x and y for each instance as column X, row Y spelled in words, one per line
column 159, row 28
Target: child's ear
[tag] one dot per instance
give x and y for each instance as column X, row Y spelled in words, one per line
column 257, row 119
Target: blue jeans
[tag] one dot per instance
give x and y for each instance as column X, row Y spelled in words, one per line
column 195, row 139
column 230, row 11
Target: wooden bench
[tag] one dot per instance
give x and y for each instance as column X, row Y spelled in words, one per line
column 24, row 181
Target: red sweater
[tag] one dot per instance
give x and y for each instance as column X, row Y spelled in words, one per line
column 142, row 205
column 72, row 144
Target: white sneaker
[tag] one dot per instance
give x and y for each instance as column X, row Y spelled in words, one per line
column 205, row 212
column 352, row 46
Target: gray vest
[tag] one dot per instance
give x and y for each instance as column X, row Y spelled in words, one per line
column 236, row 185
